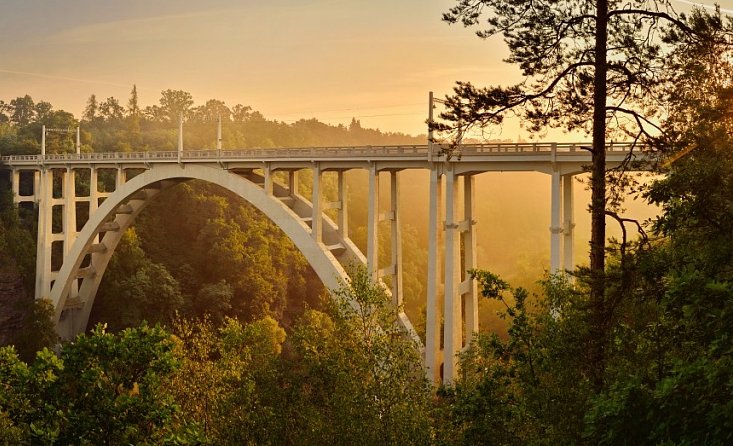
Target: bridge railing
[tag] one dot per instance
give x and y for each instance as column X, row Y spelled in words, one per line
column 535, row 147
column 409, row 151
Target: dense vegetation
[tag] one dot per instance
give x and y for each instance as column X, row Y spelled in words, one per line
column 229, row 383
column 256, row 360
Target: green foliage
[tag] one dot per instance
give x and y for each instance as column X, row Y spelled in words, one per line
column 38, row 329
column 135, row 289
column 102, row 389
column 355, row 363
column 247, row 384
column 219, row 386
column 214, row 300
column 228, row 254
column 17, row 245
column 531, row 388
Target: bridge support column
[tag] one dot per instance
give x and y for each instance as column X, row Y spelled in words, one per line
column 555, row 224
column 36, row 185
column 44, row 195
column 317, row 214
column 373, row 224
column 457, row 237
column 121, row 178
column 433, row 352
column 568, row 223
column 469, row 289
column 69, row 192
column 267, row 173
column 93, row 191
column 293, row 183
column 93, row 195
column 396, row 236
column 342, row 218
column 69, row 224
column 452, row 331
column 15, row 185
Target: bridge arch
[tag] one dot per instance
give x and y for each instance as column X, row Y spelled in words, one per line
column 102, row 232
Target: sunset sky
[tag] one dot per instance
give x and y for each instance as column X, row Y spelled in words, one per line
column 374, row 60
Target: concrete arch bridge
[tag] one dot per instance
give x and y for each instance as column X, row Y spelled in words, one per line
column 268, row 179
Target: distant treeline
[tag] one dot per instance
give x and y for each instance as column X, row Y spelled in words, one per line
column 107, row 125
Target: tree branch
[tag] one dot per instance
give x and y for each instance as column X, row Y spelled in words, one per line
column 653, row 14
column 638, row 119
column 512, row 103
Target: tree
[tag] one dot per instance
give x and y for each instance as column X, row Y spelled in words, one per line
column 529, row 388
column 154, row 113
column 174, row 103
column 5, row 110
column 133, row 117
column 111, row 110
column 38, row 330
column 214, row 300
column 135, row 289
column 101, row 389
column 43, row 110
column 212, row 111
column 675, row 385
column 241, row 113
column 91, row 110
column 593, row 66
column 353, row 362
column 133, row 108
column 23, row 111
column 228, row 378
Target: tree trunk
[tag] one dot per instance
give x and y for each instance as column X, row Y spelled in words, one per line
column 598, row 201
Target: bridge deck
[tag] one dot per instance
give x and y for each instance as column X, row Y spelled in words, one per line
column 414, row 155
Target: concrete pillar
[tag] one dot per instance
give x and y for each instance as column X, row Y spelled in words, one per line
column 343, row 219
column 69, row 217
column 36, row 185
column 432, row 322
column 396, row 236
column 218, row 134
column 180, row 137
column 93, row 191
column 93, row 195
column 15, row 185
column 121, row 178
column 293, row 183
column 452, row 332
column 44, row 195
column 69, row 191
column 317, row 215
column 555, row 225
column 268, row 178
column 373, row 224
column 469, row 286
column 568, row 223
column 431, row 108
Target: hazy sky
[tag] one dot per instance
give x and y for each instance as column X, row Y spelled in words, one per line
column 372, row 59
